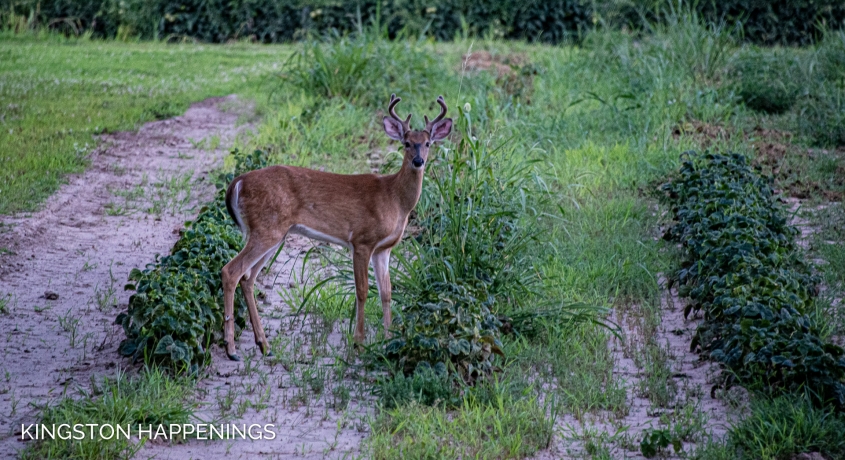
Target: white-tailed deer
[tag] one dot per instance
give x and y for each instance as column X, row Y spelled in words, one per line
column 366, row 213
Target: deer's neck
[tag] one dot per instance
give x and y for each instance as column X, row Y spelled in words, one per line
column 407, row 186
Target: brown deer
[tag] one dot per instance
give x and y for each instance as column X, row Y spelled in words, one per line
column 366, row 213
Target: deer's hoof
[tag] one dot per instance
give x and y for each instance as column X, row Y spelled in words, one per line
column 233, row 356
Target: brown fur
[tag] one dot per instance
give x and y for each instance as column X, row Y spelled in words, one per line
column 365, row 212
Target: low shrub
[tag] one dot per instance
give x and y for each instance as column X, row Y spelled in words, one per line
column 767, row 81
column 176, row 312
column 743, row 270
column 821, row 116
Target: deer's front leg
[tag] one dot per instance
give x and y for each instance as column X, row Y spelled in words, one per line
column 360, row 262
column 381, row 266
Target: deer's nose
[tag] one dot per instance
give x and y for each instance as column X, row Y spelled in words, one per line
column 418, row 161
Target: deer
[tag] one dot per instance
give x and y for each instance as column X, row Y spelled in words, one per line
column 366, row 213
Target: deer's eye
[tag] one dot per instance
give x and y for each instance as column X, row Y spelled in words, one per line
column 428, row 144
column 407, row 145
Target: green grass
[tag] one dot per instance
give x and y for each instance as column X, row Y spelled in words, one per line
column 150, row 397
column 57, row 94
column 781, row 429
column 506, row 427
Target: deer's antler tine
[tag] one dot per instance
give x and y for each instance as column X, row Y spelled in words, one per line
column 443, row 108
column 391, row 108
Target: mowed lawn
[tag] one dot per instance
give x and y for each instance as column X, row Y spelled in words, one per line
column 56, row 95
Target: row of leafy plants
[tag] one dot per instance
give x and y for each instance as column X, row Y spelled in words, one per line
column 176, row 313
column 743, row 271
column 769, row 22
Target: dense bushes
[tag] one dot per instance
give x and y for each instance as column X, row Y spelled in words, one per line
column 742, row 269
column 176, row 312
column 286, row 20
column 810, row 83
column 766, row 81
column 767, row 22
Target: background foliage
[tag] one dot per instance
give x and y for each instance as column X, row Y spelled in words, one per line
column 553, row 21
column 286, row 20
column 767, row 22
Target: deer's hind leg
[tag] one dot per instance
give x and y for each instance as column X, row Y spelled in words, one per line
column 243, row 266
column 248, row 286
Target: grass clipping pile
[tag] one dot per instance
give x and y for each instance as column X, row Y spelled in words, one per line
column 176, row 312
column 744, row 271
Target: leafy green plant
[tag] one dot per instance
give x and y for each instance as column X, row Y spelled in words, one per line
column 424, row 386
column 176, row 312
column 743, row 270
column 655, row 441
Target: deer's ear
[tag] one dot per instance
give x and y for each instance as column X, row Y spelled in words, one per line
column 393, row 129
column 441, row 130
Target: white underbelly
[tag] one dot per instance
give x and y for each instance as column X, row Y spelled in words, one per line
column 311, row 233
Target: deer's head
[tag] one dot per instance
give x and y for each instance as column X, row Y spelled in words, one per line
column 416, row 143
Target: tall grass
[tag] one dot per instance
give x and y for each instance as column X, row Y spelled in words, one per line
column 361, row 67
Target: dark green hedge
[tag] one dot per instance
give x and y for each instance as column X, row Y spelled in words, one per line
column 286, row 20
column 766, row 22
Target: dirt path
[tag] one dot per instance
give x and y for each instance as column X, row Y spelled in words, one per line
column 64, row 283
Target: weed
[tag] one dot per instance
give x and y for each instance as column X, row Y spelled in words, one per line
column 360, row 68
column 768, row 81
column 70, row 324
column 4, row 303
column 106, row 298
column 424, row 386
